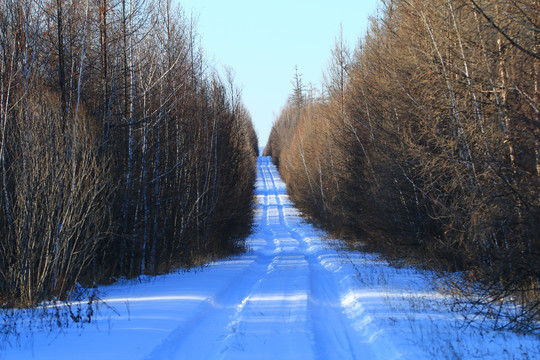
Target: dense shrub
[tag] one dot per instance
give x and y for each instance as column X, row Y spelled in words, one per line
column 426, row 145
column 121, row 152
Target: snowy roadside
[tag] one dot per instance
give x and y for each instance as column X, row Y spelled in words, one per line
column 292, row 296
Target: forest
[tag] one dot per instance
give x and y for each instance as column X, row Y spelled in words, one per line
column 122, row 151
column 424, row 145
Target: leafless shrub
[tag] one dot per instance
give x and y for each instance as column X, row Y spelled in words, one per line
column 121, row 153
column 432, row 149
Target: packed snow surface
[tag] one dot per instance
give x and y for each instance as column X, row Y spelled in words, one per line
column 293, row 295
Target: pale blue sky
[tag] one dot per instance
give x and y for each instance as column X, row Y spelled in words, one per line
column 263, row 41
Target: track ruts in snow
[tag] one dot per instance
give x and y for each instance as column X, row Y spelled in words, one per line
column 291, row 296
column 285, row 305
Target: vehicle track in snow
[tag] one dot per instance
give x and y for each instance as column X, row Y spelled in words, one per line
column 291, row 296
column 286, row 303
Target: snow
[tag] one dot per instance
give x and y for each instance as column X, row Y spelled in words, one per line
column 292, row 296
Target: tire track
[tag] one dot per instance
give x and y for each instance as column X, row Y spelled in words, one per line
column 286, row 302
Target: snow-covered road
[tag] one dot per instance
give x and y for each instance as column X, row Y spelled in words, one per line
column 292, row 296
column 284, row 306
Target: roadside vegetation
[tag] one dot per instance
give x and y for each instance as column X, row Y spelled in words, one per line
column 122, row 152
column 425, row 146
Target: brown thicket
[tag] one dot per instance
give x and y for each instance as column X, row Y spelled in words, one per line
column 426, row 145
column 121, row 152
